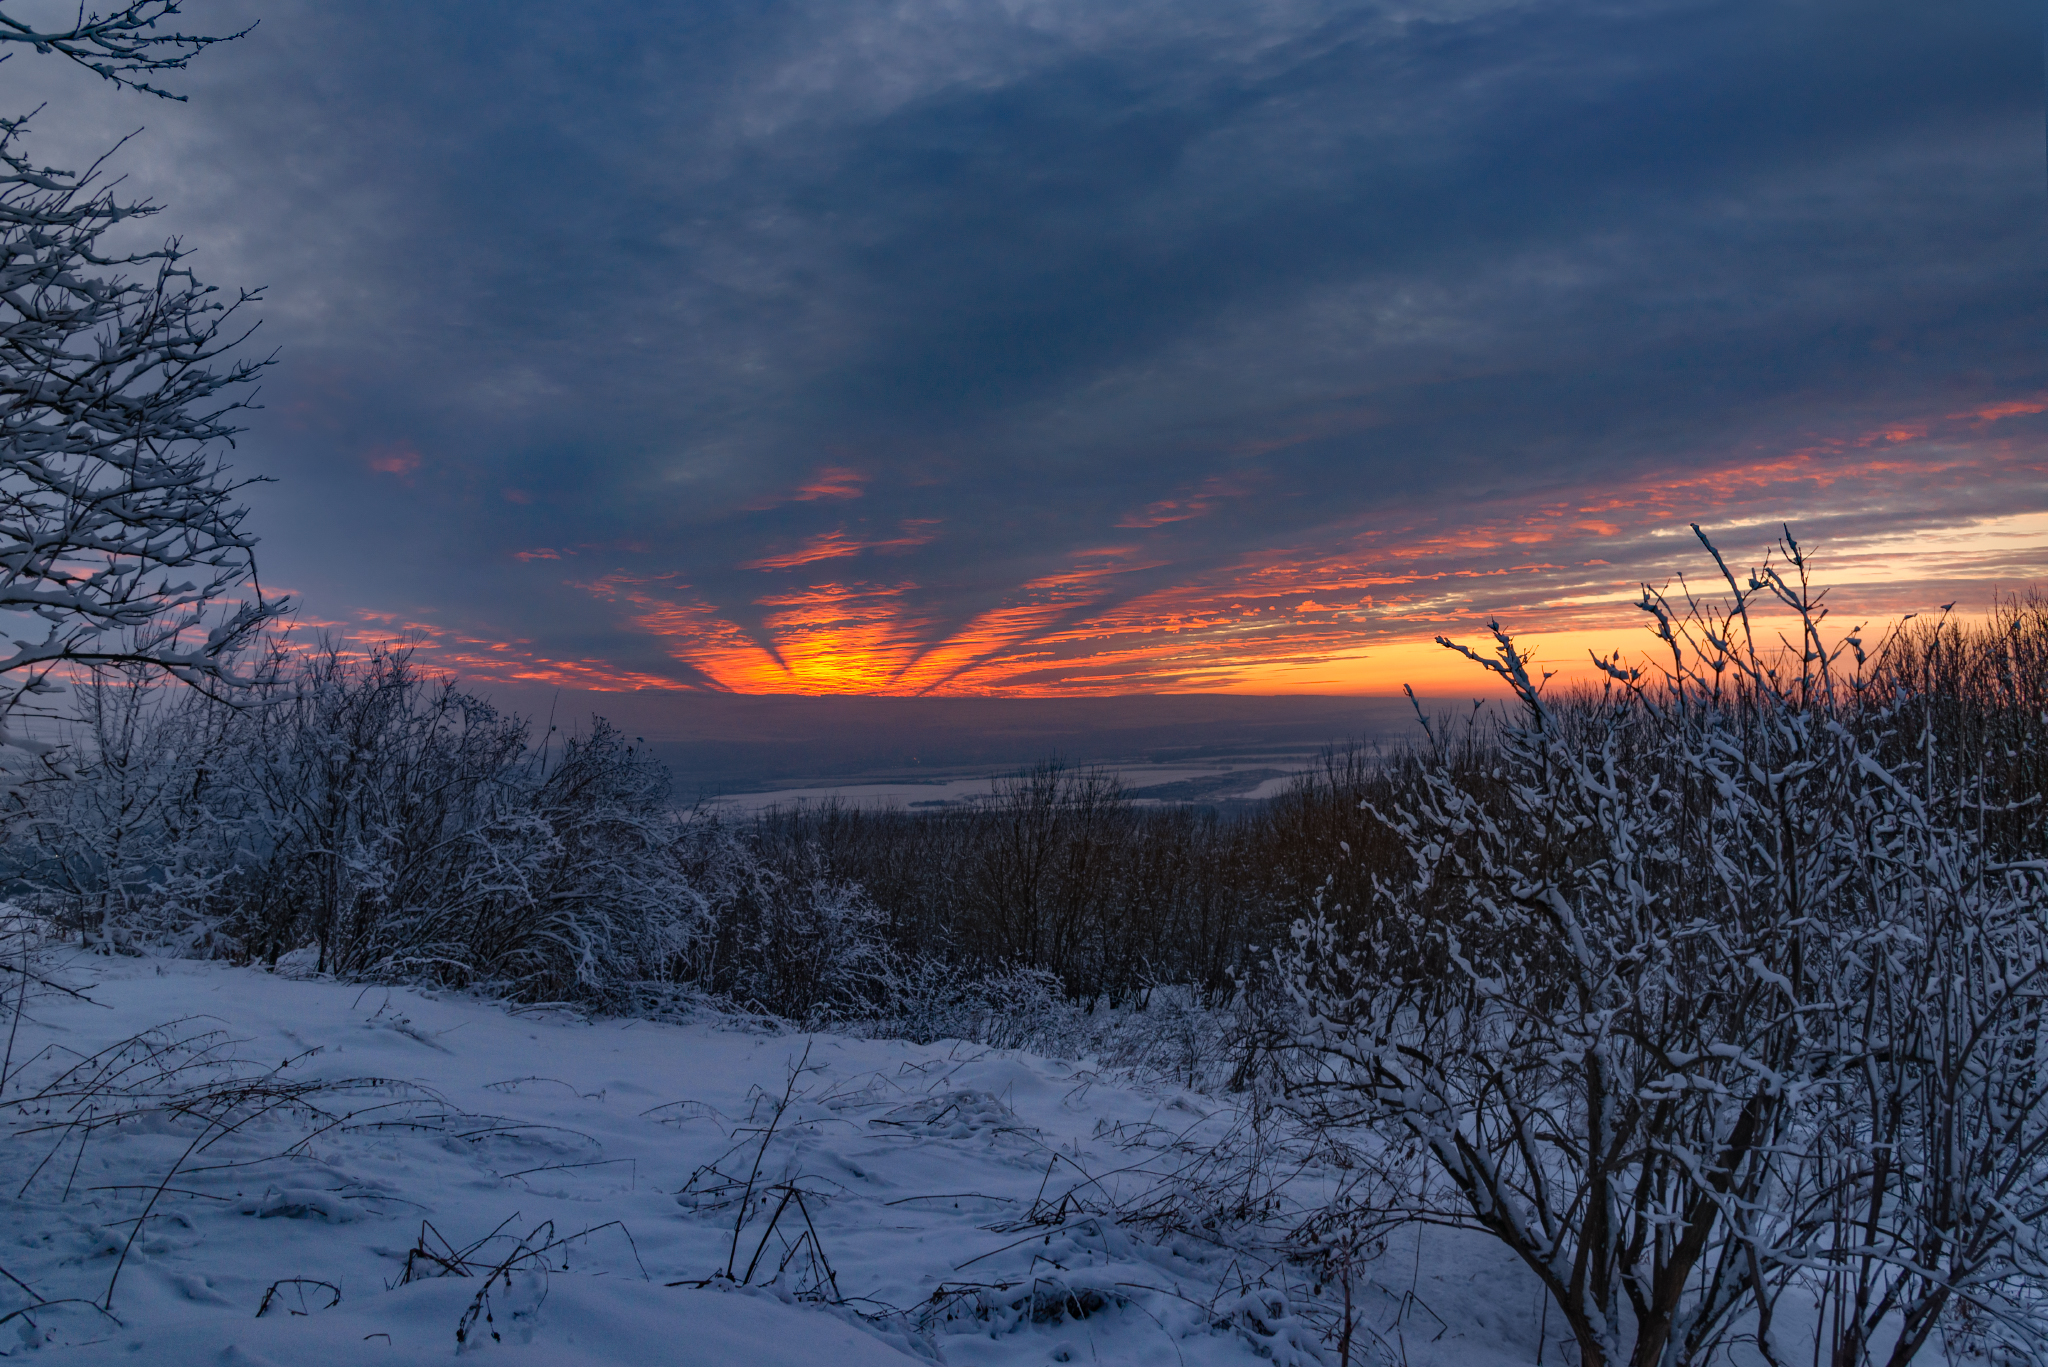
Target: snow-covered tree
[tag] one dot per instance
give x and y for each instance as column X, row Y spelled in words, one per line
column 121, row 527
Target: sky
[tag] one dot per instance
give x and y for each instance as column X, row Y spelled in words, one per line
column 999, row 347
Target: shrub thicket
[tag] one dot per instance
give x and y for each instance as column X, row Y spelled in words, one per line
column 1719, row 990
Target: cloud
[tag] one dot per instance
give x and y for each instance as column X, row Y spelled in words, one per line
column 394, row 458
column 1180, row 508
column 830, row 482
column 2011, row 408
column 838, row 545
column 1349, row 322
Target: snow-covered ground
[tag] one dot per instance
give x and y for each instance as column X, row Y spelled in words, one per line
column 951, row 1183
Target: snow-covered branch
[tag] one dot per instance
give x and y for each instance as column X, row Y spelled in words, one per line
column 1710, row 987
column 121, row 527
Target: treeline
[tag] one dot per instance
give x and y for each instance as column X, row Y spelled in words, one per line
column 1058, row 870
column 368, row 820
column 1055, row 870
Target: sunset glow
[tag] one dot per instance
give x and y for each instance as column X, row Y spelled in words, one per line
column 1356, row 611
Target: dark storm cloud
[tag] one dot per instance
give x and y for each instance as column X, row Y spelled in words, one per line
column 606, row 285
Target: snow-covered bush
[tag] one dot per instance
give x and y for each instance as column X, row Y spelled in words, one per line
column 787, row 940
column 1007, row 1008
column 368, row 786
column 132, row 843
column 398, row 828
column 1706, row 991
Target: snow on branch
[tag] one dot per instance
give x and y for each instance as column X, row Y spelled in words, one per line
column 121, row 526
column 122, row 45
column 1712, row 988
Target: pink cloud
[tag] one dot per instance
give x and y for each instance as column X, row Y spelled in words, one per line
column 399, row 458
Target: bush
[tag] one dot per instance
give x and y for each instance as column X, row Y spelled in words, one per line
column 1725, row 982
column 402, row 829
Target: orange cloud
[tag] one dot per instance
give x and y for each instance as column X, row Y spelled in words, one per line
column 970, row 659
column 831, row 481
column 838, row 545
column 2012, row 408
column 476, row 659
column 826, row 546
column 1203, row 500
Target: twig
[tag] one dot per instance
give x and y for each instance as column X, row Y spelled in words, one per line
column 760, row 1155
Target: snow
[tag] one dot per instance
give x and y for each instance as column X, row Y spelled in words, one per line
column 920, row 1168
